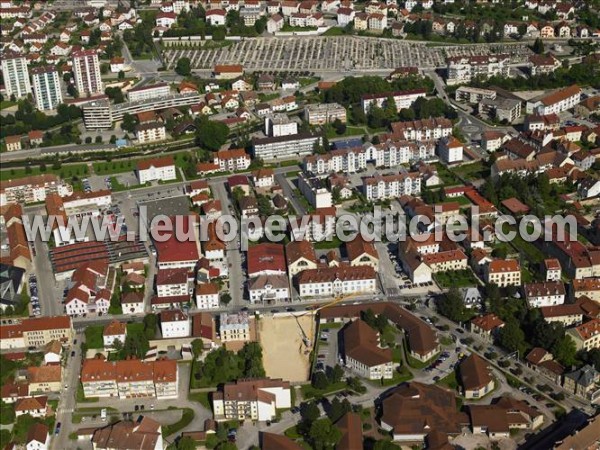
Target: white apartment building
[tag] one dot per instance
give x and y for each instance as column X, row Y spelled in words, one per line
column 402, row 99
column 382, row 187
column 446, row 261
column 36, row 332
column 156, row 169
column 280, row 125
column 423, row 130
column 473, row 95
column 16, row 75
column 315, row 191
column 390, row 153
column 267, row 289
column 285, row 147
column 553, row 269
column 86, row 69
column 450, row 150
column 334, row 281
column 323, row 113
column 306, row 20
column 33, row 189
column 253, row 399
column 174, row 324
column 504, row 272
column 320, row 225
column 363, row 353
column 586, row 335
column 46, row 88
column 114, row 331
column 234, row 327
column 150, row 132
column 462, row 69
column 556, row 102
column 232, row 160
column 146, row 92
column 172, row 282
column 548, row 293
column 130, row 378
column 207, row 296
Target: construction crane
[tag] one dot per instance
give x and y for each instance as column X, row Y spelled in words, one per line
column 307, row 339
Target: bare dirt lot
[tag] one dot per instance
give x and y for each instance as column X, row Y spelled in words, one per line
column 284, row 353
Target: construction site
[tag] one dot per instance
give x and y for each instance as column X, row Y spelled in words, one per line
column 287, row 341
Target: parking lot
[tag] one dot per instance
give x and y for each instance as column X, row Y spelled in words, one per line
column 328, row 349
column 338, row 53
column 33, row 295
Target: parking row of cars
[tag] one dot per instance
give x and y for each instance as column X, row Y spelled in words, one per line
column 33, row 293
column 403, row 280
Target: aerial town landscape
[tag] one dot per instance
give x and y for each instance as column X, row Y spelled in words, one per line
column 286, row 225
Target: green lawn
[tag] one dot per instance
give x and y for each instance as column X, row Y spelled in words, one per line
column 456, row 278
column 449, row 381
column 448, row 177
column 350, row 131
column 93, row 336
column 400, row 376
column 445, row 340
column 310, row 392
column 461, row 200
column 329, row 326
column 201, row 397
column 473, row 171
column 6, row 104
column 65, row 171
column 327, row 245
column 114, row 167
column 186, row 418
column 334, row 31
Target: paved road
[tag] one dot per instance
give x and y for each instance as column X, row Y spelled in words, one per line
column 237, row 278
column 570, row 402
column 288, row 192
column 67, row 396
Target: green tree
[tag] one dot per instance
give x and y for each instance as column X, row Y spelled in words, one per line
column 309, row 411
column 183, row 67
column 197, row 347
column 225, row 298
column 538, row 46
column 186, row 443
column 452, row 306
column 338, row 408
column 210, row 134
column 385, row 445
column 219, row 34
column 512, row 337
column 565, row 351
column 121, row 75
column 336, row 374
column 320, row 381
column 150, row 321
column 323, row 434
column 128, row 124
column 339, row 126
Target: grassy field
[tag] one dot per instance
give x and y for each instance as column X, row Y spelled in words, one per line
column 186, row 418
column 201, row 397
column 449, row 381
column 65, row 171
column 456, row 278
column 310, row 392
column 473, row 171
column 350, row 131
column 93, row 336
